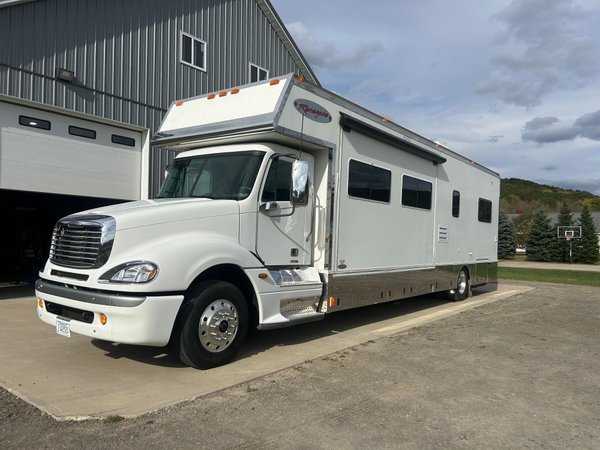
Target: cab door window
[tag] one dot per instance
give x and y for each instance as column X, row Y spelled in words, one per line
column 278, row 184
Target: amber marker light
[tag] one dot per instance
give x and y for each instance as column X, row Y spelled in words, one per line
column 103, row 319
column 299, row 78
column 263, row 276
column 235, row 91
column 41, row 303
column 210, row 96
column 222, row 94
column 178, row 103
column 331, row 302
column 273, row 82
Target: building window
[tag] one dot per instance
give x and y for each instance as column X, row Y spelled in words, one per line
column 34, row 123
column 416, row 193
column 455, row 203
column 116, row 139
column 193, row 51
column 369, row 182
column 82, row 132
column 485, row 211
column 278, row 185
column 257, row 73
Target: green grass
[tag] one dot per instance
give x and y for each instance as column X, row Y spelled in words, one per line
column 550, row 276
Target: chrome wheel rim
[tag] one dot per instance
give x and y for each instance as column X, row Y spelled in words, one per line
column 462, row 283
column 218, row 326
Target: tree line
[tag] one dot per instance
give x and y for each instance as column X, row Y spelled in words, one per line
column 538, row 235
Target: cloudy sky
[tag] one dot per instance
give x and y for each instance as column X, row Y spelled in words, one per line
column 514, row 85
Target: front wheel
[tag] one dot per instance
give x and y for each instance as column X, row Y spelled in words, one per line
column 461, row 291
column 215, row 326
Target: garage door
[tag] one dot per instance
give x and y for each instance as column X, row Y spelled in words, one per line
column 44, row 151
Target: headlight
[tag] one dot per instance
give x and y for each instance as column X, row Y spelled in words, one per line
column 132, row 272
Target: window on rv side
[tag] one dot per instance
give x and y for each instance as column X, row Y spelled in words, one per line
column 485, row 211
column 455, row 203
column 369, row 182
column 416, row 193
column 278, row 185
column 257, row 73
column 193, row 51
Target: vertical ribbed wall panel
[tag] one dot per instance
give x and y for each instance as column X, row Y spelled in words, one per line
column 125, row 55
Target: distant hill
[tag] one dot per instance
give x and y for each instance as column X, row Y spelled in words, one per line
column 522, row 196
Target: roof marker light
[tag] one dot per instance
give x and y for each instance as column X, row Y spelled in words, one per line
column 273, row 82
column 235, row 91
column 222, row 94
column 385, row 120
column 299, row 78
column 178, row 103
column 210, row 96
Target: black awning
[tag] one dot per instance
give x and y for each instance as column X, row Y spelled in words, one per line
column 351, row 123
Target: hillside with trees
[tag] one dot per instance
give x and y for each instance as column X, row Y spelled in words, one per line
column 522, row 196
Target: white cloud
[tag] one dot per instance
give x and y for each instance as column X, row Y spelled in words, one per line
column 545, row 130
column 544, row 47
column 327, row 54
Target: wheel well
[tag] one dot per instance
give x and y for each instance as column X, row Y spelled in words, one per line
column 467, row 271
column 235, row 275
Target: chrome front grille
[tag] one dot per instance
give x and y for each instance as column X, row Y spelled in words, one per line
column 82, row 242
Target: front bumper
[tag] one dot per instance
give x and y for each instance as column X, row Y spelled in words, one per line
column 131, row 319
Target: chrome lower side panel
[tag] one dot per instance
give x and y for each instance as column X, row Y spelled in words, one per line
column 355, row 290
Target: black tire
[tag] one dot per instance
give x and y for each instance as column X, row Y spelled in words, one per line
column 463, row 287
column 215, row 325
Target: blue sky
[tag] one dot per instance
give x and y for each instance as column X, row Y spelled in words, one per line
column 513, row 85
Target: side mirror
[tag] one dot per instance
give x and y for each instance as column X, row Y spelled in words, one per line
column 300, row 175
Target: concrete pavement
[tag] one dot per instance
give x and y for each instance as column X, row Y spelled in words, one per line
column 81, row 377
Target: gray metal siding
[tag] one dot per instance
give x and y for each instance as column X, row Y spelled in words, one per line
column 125, row 54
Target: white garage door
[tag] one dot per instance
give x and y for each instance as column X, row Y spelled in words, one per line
column 43, row 151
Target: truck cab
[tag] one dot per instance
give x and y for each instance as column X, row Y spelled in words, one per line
column 230, row 224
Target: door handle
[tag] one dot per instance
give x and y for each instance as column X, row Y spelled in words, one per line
column 268, row 206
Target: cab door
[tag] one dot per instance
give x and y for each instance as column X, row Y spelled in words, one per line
column 284, row 231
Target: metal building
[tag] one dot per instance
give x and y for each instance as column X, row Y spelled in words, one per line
column 123, row 61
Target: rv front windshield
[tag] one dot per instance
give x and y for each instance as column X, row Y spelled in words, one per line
column 218, row 176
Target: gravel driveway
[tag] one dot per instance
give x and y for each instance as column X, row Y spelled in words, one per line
column 519, row 373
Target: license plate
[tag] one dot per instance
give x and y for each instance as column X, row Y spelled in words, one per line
column 63, row 328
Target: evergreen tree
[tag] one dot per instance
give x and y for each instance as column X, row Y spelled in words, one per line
column 585, row 250
column 541, row 238
column 565, row 219
column 506, row 237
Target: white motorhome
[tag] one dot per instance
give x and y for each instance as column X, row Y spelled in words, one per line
column 285, row 203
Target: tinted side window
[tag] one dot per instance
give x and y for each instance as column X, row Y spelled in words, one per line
column 416, row 193
column 278, row 183
column 455, row 203
column 485, row 211
column 369, row 182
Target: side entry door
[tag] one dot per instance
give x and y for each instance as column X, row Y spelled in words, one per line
column 284, row 230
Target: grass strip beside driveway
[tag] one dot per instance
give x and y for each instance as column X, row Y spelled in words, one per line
column 550, row 276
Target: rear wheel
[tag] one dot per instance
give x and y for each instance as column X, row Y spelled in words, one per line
column 463, row 286
column 215, row 326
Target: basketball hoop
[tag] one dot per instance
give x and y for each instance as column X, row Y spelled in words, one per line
column 569, row 234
